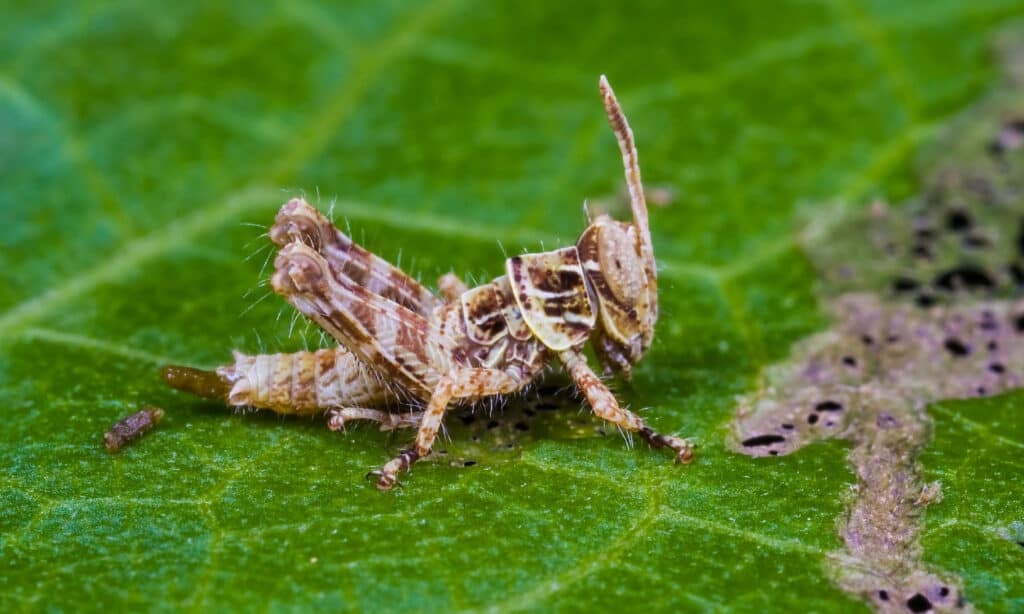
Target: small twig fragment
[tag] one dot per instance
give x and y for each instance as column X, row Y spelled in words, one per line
column 132, row 427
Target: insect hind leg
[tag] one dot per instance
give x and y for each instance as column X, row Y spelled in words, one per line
column 298, row 221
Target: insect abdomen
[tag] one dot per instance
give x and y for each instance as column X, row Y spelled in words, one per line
column 302, row 383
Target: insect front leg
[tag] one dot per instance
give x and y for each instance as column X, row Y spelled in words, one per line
column 604, row 404
column 461, row 383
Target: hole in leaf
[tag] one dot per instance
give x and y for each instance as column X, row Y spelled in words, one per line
column 956, row 347
column 919, row 603
column 763, row 440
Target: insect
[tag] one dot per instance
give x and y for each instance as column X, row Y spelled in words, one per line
column 401, row 344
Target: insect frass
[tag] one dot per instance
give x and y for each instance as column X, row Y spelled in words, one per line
column 400, row 343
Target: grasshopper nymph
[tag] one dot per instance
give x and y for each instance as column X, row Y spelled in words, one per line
column 400, row 342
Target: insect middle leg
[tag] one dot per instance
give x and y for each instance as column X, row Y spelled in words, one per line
column 338, row 418
column 604, row 404
column 459, row 384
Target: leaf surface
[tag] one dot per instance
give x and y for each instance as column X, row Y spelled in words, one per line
column 140, row 144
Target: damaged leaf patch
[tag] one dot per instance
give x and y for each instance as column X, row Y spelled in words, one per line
column 924, row 309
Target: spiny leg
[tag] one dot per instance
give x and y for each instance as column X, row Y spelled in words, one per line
column 461, row 383
column 298, row 221
column 390, row 338
column 604, row 404
column 338, row 418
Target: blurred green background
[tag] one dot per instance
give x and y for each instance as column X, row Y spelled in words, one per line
column 138, row 142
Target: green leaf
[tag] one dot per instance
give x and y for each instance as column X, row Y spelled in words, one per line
column 138, row 143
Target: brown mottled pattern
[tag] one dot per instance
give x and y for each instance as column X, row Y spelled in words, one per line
column 552, row 296
column 299, row 221
column 483, row 310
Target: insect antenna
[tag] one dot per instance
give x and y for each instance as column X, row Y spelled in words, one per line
column 624, row 135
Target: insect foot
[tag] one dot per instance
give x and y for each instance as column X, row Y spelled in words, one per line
column 683, row 447
column 388, row 474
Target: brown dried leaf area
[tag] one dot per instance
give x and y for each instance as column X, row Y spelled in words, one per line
column 922, row 297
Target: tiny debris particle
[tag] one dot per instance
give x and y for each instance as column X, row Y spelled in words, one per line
column 132, row 427
column 925, row 301
column 965, row 277
column 904, row 284
column 958, row 220
column 919, row 603
column 763, row 440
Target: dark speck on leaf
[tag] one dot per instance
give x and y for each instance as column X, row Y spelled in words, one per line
column 956, row 347
column 919, row 603
column 812, row 419
column 958, row 220
column 763, row 440
column 828, row 406
column 967, row 277
column 904, row 284
column 1020, row 239
column 922, row 251
column 975, row 241
column 1016, row 273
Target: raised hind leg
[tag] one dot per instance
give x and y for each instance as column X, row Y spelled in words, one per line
column 298, row 221
column 391, row 339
